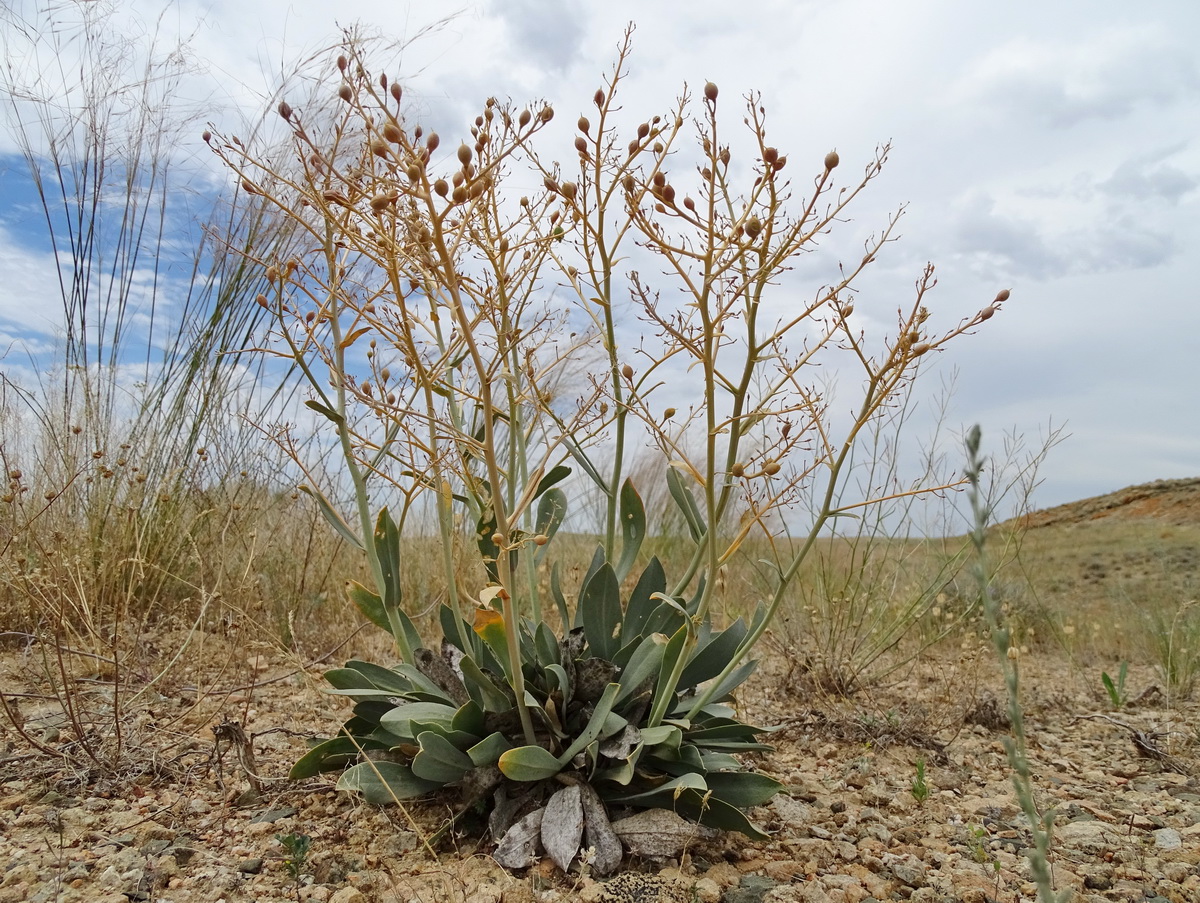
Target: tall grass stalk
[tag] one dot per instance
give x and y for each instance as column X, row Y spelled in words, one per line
column 1041, row 825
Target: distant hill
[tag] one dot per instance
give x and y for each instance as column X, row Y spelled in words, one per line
column 1163, row 501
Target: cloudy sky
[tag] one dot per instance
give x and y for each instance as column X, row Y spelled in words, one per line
column 1049, row 148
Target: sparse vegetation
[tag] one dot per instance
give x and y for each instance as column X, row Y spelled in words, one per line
column 573, row 564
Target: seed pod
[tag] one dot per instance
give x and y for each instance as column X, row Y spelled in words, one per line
column 643, row 130
column 583, row 124
column 659, row 179
column 689, row 203
column 379, row 148
column 397, row 92
column 249, row 187
column 1002, row 297
column 345, row 93
column 413, row 171
column 724, row 156
column 523, row 119
column 780, row 163
column 285, row 110
column 383, row 81
column 391, row 131
column 342, row 62
column 442, row 187
column 832, row 160
column 551, row 184
column 547, row 113
column 920, row 349
column 603, row 408
column 206, row 136
column 581, row 145
column 771, row 468
column 847, row 310
column 272, row 274
column 770, row 155
column 497, row 538
column 459, row 194
column 629, row 183
column 659, row 147
column 738, row 469
column 432, row 142
column 987, row 313
column 668, row 413
column 569, row 190
column 754, row 227
column 627, row 372
column 633, row 147
column 261, row 300
column 381, row 200
column 464, row 154
column 710, row 92
column 668, row 194
column 418, row 131
column 541, row 539
column 598, row 97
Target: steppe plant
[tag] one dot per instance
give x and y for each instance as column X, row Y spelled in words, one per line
column 468, row 337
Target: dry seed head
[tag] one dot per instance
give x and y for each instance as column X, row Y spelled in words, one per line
column 14, row 474
column 547, row 113
column 659, row 147
column 523, row 119
column 342, row 62
column 382, row 199
column 724, row 156
column 432, row 142
column 710, row 92
column 272, row 274
column 780, row 163
column 392, row 133
column 541, row 539
column 583, row 124
column 772, row 468
column 459, row 194
column 987, row 313
column 920, row 349
column 1002, row 297
column 629, row 182
column 770, row 155
column 397, row 92
column 689, row 203
column 627, row 371
column 754, row 227
column 498, row 538
column 206, row 136
column 668, row 194
column 738, row 469
column 379, row 148
column 598, row 97
column 285, row 110
column 464, row 154
column 668, row 413
column 569, row 190
column 345, row 93
column 832, row 160
column 262, row 301
column 551, row 184
column 643, row 130
column 383, row 81
column 581, row 144
column 249, row 187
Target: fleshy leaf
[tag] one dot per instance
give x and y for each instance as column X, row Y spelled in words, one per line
column 633, row 528
column 439, row 761
column 600, row 608
column 385, row 782
column 529, row 763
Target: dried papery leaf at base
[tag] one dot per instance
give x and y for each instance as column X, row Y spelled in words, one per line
column 599, row 832
column 562, row 826
column 658, row 833
column 521, row 845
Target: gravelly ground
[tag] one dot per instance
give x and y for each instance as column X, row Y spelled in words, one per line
column 848, row 829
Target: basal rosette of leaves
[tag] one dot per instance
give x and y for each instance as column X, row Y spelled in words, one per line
column 613, row 730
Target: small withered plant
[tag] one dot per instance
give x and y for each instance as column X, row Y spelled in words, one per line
column 489, row 335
